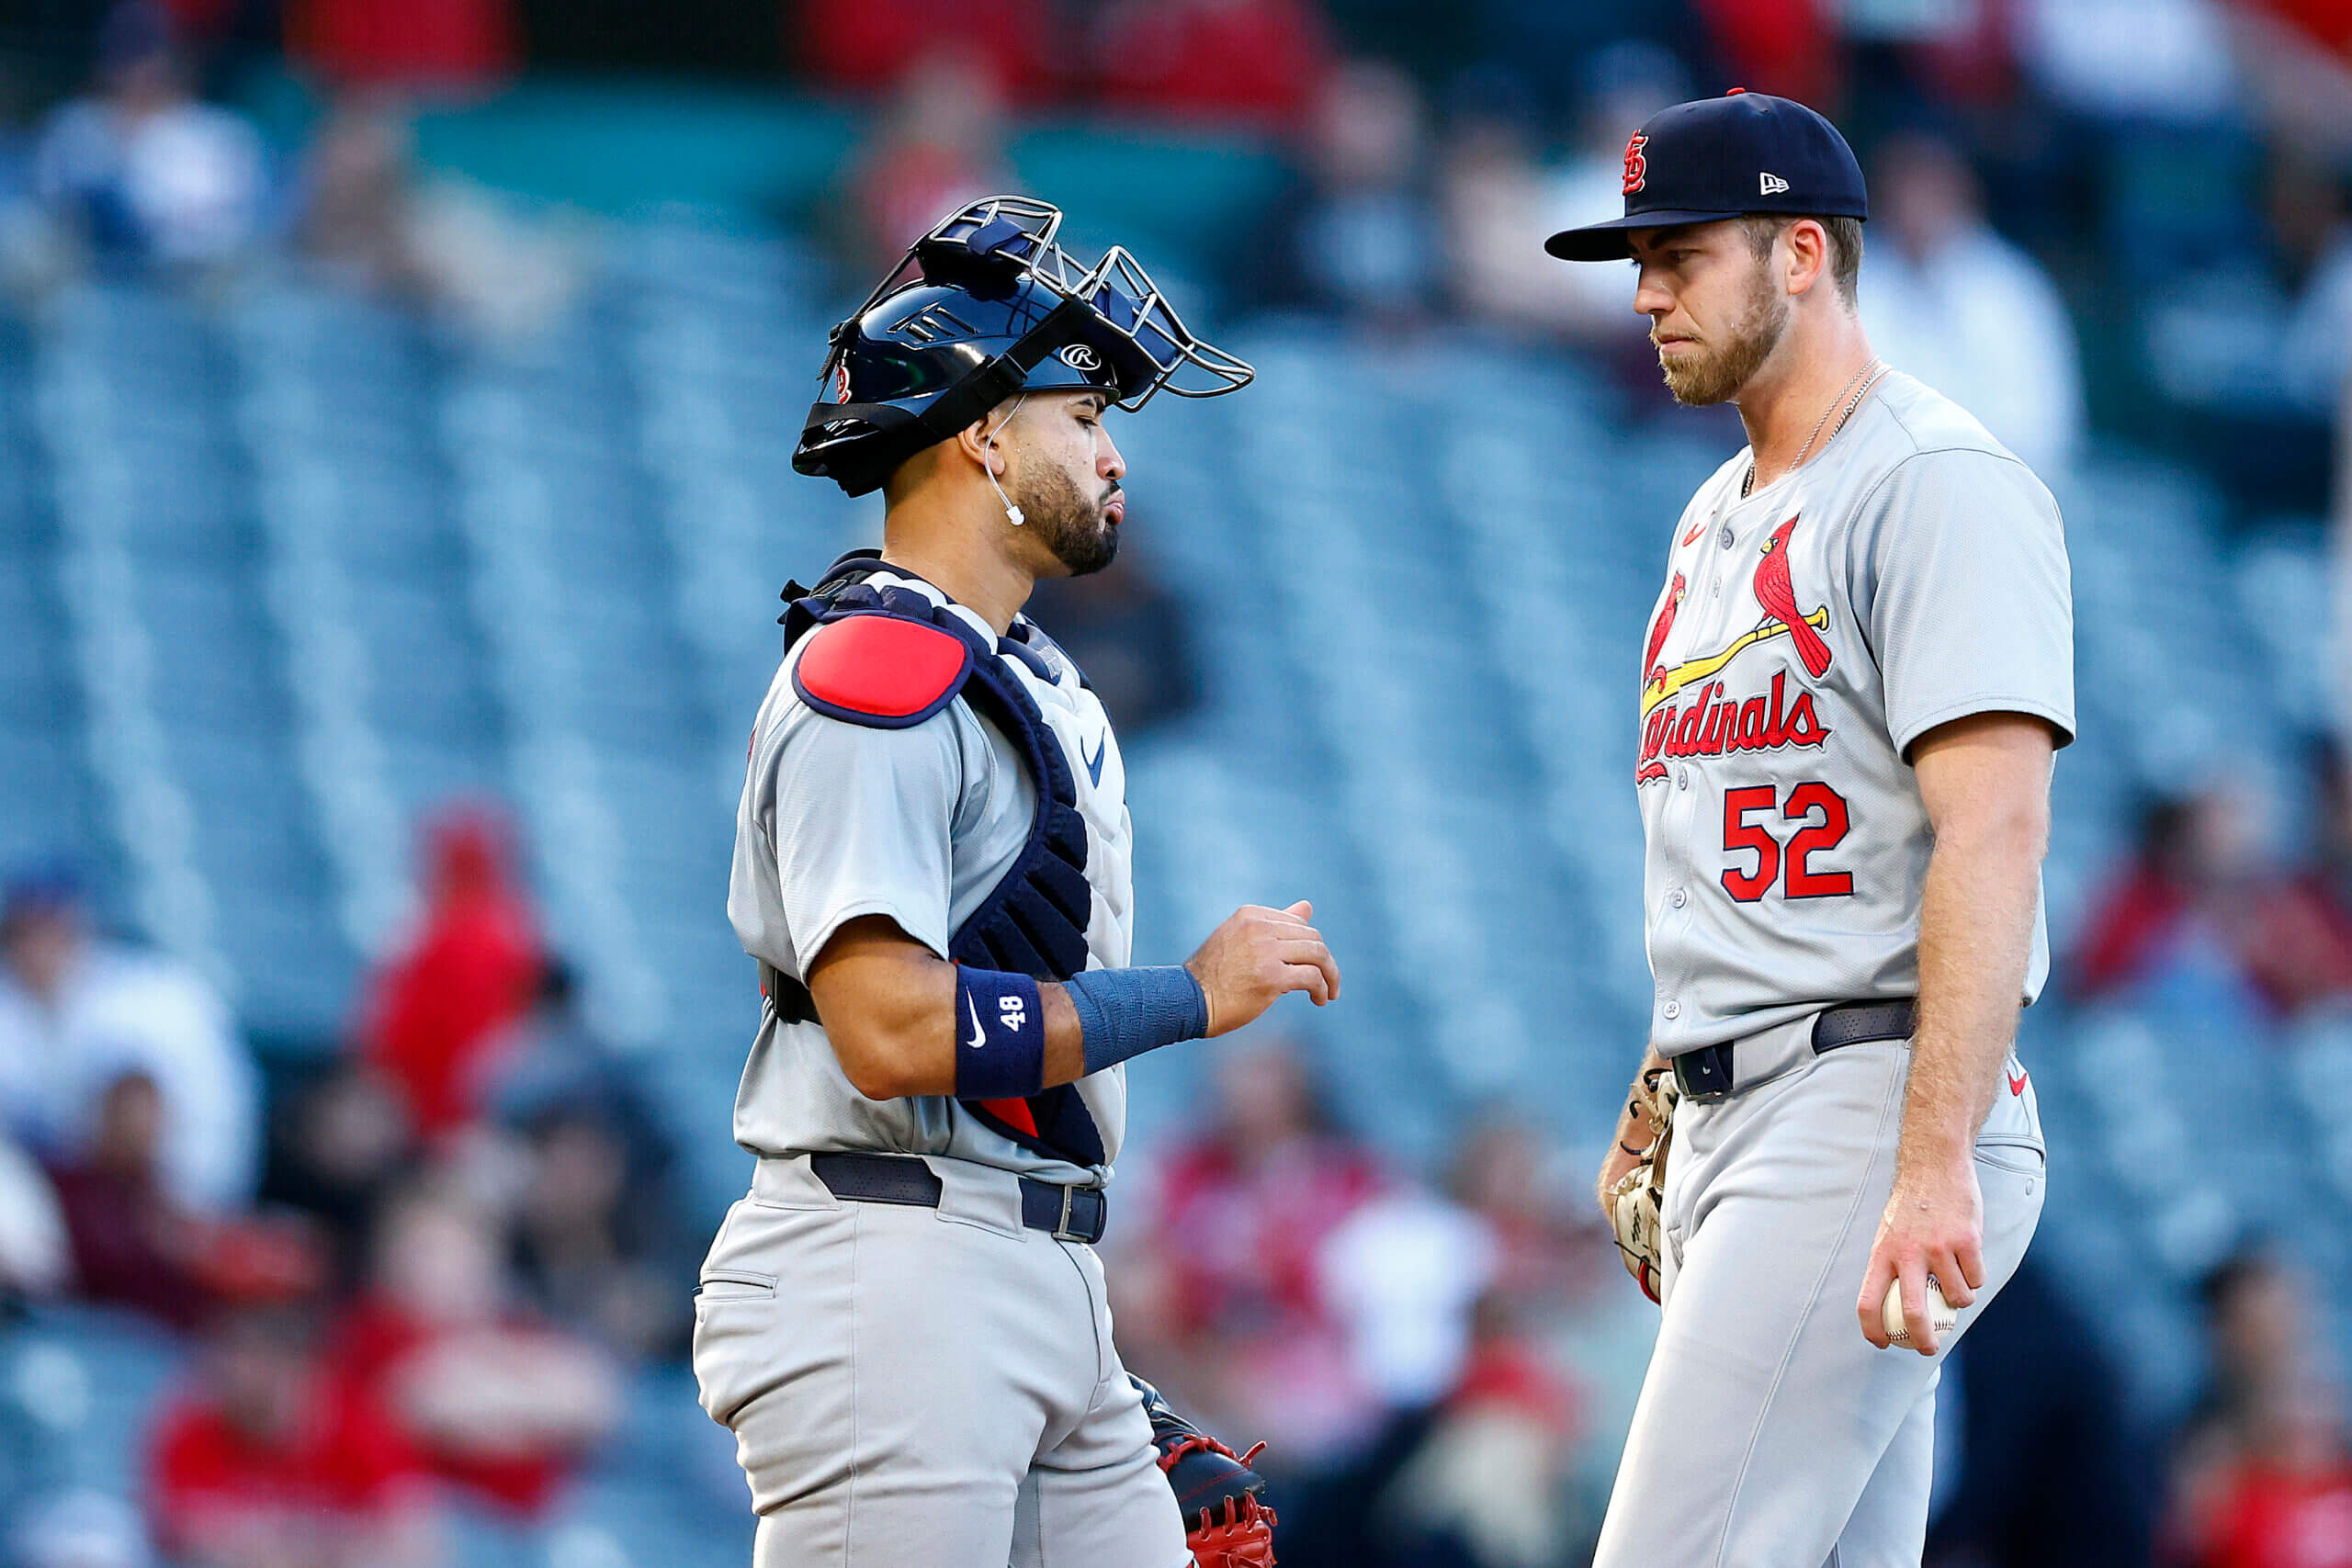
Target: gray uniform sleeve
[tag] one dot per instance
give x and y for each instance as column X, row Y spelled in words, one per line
column 1958, row 577
column 862, row 823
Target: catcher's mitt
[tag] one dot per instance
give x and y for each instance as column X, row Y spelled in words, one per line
column 1636, row 1202
column 1227, row 1522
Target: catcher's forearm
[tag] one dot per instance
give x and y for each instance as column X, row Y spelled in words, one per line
column 1975, row 938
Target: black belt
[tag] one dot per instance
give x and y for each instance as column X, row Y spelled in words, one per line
column 1706, row 1073
column 1068, row 1214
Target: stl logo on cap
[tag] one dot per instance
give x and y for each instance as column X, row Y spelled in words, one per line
column 1637, row 168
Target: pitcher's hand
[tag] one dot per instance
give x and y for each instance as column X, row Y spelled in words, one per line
column 1934, row 1225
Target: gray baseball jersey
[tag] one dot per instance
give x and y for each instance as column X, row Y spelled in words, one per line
column 1913, row 574
column 839, row 820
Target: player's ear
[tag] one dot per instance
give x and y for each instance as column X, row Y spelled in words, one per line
column 982, row 441
column 1808, row 261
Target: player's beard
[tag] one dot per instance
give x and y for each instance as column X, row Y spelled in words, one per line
column 1074, row 528
column 1719, row 370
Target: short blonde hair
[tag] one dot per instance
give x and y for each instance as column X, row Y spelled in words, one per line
column 1845, row 244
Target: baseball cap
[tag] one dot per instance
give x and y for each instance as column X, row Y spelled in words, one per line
column 1716, row 158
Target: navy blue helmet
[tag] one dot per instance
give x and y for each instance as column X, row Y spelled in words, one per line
column 986, row 305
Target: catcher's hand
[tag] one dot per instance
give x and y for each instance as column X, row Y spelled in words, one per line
column 1638, row 1200
column 1227, row 1522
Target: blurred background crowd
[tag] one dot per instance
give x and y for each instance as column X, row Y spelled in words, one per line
column 396, row 400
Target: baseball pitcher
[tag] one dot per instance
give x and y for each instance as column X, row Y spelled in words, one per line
column 904, row 1324
column 1855, row 678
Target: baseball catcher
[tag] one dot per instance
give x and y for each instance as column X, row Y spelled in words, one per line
column 904, row 1323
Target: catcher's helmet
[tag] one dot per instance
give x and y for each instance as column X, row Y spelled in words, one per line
column 983, row 305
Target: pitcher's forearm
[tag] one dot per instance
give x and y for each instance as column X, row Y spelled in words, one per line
column 1975, row 941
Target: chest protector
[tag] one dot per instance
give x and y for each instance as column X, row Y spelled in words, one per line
column 887, row 657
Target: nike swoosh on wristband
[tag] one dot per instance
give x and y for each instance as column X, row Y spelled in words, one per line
column 979, row 1036
column 1095, row 763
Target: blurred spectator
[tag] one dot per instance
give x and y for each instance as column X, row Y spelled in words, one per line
column 1131, row 635
column 425, row 45
column 469, row 970
column 1400, row 1275
column 2135, row 62
column 1255, row 62
column 140, row 171
column 2286, row 1502
column 1947, row 299
column 2258, row 1329
column 270, row 1463
column 36, row 1259
column 2201, row 914
column 368, row 218
column 1360, row 235
column 1497, row 204
column 1625, row 84
column 1484, row 1486
column 598, row 1241
column 2313, row 232
column 76, row 1014
column 939, row 145
column 1237, row 1251
column 1541, row 1233
column 355, row 203
column 874, row 46
column 134, row 1245
column 492, row 1400
column 1788, row 46
column 338, row 1145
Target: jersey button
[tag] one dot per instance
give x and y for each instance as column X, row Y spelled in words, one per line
column 1678, row 898
column 1725, row 537
column 1672, row 1010
column 1682, row 778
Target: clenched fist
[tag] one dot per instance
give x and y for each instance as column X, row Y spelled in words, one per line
column 1259, row 954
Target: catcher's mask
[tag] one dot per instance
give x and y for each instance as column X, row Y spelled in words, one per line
column 986, row 305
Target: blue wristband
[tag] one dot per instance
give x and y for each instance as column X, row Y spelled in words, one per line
column 999, row 1035
column 1125, row 1012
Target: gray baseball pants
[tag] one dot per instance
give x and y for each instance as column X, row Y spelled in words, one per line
column 924, row 1388
column 1769, row 1433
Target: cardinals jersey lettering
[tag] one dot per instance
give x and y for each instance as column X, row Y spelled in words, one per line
column 1913, row 574
column 918, row 824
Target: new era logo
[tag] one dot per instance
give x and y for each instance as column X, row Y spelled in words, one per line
column 1771, row 185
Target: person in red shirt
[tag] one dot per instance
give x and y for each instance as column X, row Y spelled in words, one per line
column 874, row 46
column 266, row 1464
column 2288, row 1502
column 1257, row 63
column 485, row 1397
column 470, row 969
column 1230, row 1280
column 135, row 1244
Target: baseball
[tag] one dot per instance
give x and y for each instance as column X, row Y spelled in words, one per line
column 1940, row 1313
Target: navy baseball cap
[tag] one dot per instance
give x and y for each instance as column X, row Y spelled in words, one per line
column 1726, row 157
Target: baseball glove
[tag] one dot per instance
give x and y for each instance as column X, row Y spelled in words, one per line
column 1227, row 1522
column 1636, row 1202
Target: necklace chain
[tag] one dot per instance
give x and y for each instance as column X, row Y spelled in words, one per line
column 1873, row 369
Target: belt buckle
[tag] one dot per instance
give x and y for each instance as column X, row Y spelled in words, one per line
column 1702, row 1075
column 1061, row 1231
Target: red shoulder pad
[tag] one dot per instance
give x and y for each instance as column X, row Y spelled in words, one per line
column 882, row 670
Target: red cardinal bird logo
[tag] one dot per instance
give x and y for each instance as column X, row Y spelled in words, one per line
column 1651, row 669
column 1780, row 601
